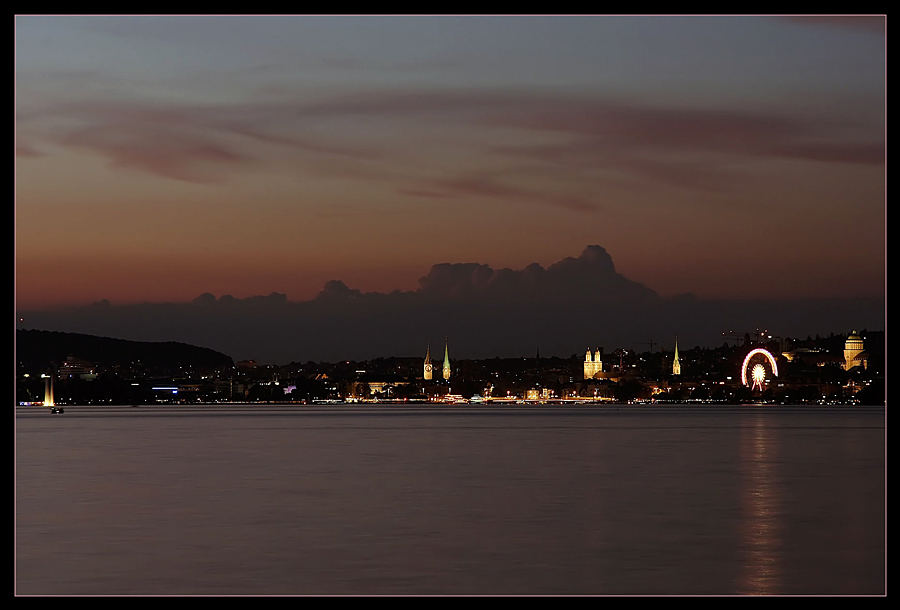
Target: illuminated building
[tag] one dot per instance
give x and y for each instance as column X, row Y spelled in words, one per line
column 538, row 394
column 76, row 367
column 446, row 363
column 428, row 374
column 811, row 355
column 592, row 364
column 676, row 364
column 853, row 352
column 428, row 367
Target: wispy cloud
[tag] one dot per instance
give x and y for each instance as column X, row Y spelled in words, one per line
column 491, row 186
column 167, row 152
column 687, row 147
column 25, row 149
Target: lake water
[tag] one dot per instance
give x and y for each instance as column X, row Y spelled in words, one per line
column 348, row 500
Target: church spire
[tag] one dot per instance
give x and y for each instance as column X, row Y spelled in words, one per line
column 446, row 361
column 427, row 374
column 676, row 363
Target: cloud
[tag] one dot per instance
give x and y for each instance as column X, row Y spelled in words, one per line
column 589, row 278
column 456, row 281
column 622, row 167
column 484, row 185
column 191, row 143
column 426, row 193
column 177, row 154
column 629, row 142
column 337, row 290
column 561, row 309
column 614, row 130
column 24, row 149
column 565, row 145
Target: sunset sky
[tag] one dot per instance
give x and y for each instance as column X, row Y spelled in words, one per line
column 159, row 158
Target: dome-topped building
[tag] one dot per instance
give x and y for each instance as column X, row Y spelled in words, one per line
column 854, row 352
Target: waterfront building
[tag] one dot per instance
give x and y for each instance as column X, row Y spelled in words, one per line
column 76, row 367
column 592, row 364
column 854, row 352
column 384, row 383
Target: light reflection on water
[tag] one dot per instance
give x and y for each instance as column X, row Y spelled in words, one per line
column 337, row 500
column 760, row 526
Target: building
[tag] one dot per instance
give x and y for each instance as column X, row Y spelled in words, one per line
column 384, row 383
column 854, row 352
column 813, row 356
column 428, row 368
column 428, row 373
column 592, row 364
column 676, row 364
column 446, row 363
column 76, row 367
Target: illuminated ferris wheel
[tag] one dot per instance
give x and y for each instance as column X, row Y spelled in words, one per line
column 758, row 366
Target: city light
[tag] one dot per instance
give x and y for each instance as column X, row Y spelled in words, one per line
column 761, row 371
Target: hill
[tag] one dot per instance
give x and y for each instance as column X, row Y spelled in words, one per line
column 37, row 349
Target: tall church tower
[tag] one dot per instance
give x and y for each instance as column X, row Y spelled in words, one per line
column 446, row 362
column 593, row 364
column 676, row 364
column 428, row 367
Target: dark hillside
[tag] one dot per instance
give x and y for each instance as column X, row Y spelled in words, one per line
column 38, row 349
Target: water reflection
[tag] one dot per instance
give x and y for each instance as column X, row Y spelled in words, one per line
column 761, row 527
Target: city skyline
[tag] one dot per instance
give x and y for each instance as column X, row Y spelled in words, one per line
column 488, row 312
column 450, row 304
column 164, row 158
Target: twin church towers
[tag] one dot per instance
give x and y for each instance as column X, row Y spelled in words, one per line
column 593, row 363
column 429, row 369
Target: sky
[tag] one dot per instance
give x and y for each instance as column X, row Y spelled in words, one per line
column 730, row 157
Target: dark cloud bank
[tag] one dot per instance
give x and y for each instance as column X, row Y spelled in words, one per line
column 559, row 310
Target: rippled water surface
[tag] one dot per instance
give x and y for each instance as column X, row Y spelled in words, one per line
column 435, row 500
